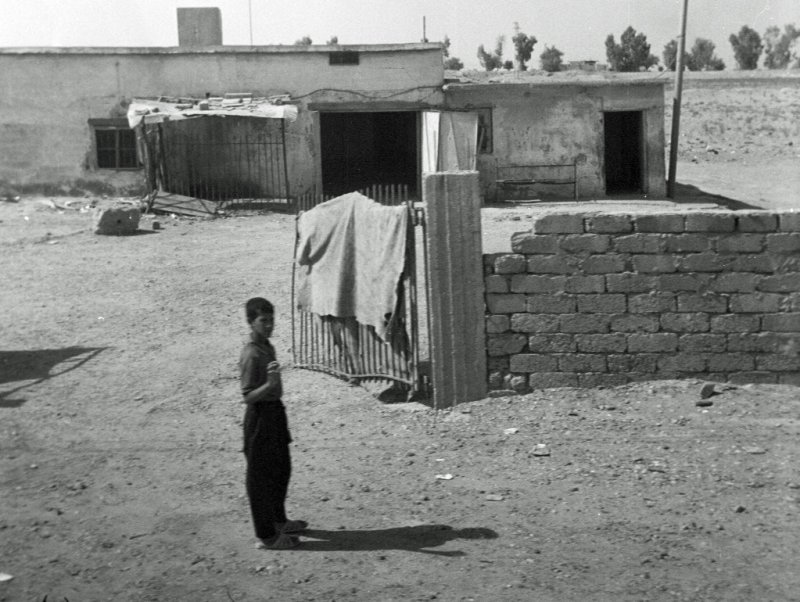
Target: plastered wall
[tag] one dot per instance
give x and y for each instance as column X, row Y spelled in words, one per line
column 606, row 299
column 47, row 97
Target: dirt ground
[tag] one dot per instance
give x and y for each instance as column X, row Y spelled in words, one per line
column 122, row 479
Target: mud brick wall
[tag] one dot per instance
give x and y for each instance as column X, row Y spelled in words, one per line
column 605, row 299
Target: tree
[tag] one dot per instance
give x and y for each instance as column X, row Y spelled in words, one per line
column 670, row 56
column 631, row 54
column 450, row 62
column 551, row 59
column 508, row 65
column 703, row 57
column 747, row 47
column 333, row 41
column 523, row 47
column 304, row 41
column 778, row 46
column 492, row 61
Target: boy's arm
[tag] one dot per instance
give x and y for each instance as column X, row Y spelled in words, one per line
column 267, row 390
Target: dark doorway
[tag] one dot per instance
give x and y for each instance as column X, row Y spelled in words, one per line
column 366, row 149
column 623, row 151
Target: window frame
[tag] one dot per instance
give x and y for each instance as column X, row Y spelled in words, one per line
column 344, row 58
column 485, row 122
column 116, row 126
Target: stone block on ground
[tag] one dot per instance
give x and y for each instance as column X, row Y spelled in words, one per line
column 115, row 220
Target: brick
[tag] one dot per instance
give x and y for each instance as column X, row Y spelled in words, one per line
column 652, row 302
column 582, row 362
column 734, row 323
column 584, row 243
column 783, row 283
column 792, row 302
column 683, row 362
column 603, row 264
column 686, row 322
column 505, row 304
column 552, row 264
column 789, row 378
column 755, row 303
column 609, row 224
column 497, row 324
column 761, row 342
column 634, row 323
column 763, row 264
column 596, row 381
column 654, row 263
column 657, row 342
column 788, row 322
column 516, row 382
column 535, row 323
column 529, row 243
column 633, row 362
column 682, row 282
column 533, row 283
column 661, row 222
column 706, row 262
column 741, row 243
column 533, row 362
column 505, row 344
column 577, row 323
column 552, row 380
column 601, row 343
column 585, row 284
column 551, row 304
column 552, row 343
column 601, row 304
column 735, row 282
column 497, row 363
column 495, row 380
column 725, row 362
column 558, row 223
column 640, row 243
column 496, row 284
column 753, row 377
column 629, row 283
column 710, row 222
column 708, row 302
column 789, row 222
column 778, row 362
column 510, row 264
column 687, row 243
column 703, row 343
column 783, row 242
column 761, row 221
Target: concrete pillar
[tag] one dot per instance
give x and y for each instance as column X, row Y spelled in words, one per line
column 455, row 286
column 199, row 26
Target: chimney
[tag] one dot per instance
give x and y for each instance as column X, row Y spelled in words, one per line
column 199, row 27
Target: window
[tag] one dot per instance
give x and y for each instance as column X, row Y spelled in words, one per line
column 344, row 57
column 484, row 130
column 115, row 144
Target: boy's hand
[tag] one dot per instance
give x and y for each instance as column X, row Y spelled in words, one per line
column 273, row 367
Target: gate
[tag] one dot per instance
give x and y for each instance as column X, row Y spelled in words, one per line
column 353, row 351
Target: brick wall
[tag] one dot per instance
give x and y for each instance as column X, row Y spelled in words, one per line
column 604, row 299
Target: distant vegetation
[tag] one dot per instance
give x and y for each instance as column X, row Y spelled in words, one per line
column 701, row 57
column 631, row 54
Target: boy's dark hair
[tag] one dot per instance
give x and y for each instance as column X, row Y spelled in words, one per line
column 256, row 306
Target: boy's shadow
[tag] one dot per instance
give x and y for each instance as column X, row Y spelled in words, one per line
column 412, row 539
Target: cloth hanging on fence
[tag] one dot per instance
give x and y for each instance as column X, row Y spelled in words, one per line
column 350, row 254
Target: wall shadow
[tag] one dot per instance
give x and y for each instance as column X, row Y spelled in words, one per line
column 688, row 193
column 37, row 365
column 410, row 539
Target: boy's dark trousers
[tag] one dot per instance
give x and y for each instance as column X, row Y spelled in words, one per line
column 266, row 447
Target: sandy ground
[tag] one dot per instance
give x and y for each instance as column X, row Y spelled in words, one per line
column 121, row 474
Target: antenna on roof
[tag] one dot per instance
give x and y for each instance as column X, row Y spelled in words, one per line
column 250, row 16
column 424, row 34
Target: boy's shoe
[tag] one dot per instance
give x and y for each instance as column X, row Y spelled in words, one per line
column 278, row 542
column 292, row 526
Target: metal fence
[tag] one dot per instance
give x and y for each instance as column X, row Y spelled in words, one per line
column 353, row 351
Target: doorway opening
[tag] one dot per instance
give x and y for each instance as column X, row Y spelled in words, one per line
column 364, row 149
column 623, row 151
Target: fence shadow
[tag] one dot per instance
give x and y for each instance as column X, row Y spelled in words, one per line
column 37, row 365
column 417, row 538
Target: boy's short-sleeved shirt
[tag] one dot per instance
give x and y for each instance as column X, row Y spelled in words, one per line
column 253, row 363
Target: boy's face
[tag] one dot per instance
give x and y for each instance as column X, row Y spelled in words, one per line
column 263, row 325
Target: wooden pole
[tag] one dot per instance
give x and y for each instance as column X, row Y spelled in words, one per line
column 676, row 104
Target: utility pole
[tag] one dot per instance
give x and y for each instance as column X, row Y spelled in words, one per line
column 676, row 104
column 424, row 33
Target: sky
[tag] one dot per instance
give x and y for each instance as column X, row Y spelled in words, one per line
column 576, row 27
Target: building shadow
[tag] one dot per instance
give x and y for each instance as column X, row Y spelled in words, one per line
column 688, row 193
column 34, row 366
column 417, row 538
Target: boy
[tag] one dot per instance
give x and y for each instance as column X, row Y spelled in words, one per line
column 266, row 433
